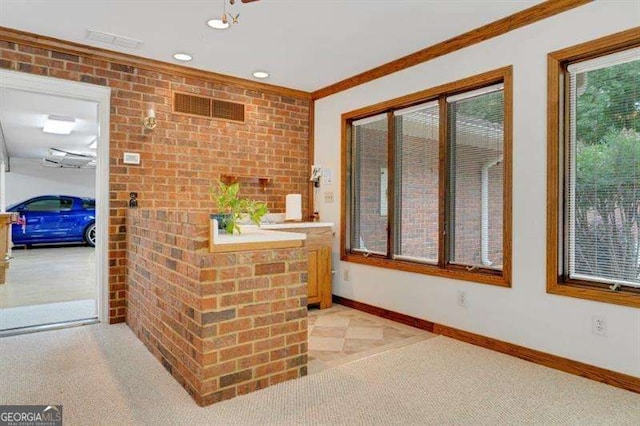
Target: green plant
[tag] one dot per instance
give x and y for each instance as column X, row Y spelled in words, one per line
column 227, row 202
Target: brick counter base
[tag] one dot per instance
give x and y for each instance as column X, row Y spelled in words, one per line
column 222, row 324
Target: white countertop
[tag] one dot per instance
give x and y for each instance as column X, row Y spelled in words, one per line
column 291, row 225
column 253, row 235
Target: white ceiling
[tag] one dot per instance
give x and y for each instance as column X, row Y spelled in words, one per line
column 22, row 115
column 304, row 44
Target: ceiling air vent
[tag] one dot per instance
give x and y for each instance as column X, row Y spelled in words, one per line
column 191, row 104
column 228, row 110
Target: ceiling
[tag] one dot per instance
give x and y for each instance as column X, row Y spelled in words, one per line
column 22, row 115
column 304, row 44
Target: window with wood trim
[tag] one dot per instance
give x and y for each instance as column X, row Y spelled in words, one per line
column 594, row 171
column 427, row 181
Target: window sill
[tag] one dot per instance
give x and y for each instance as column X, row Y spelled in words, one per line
column 497, row 278
column 622, row 297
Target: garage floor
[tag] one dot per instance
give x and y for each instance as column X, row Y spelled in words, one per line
column 49, row 274
column 47, row 285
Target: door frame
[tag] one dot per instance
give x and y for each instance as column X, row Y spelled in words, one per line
column 102, row 95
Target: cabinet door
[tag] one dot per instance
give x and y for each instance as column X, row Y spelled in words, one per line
column 313, row 292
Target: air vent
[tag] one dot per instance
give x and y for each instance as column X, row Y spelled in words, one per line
column 185, row 103
column 228, row 110
column 191, row 104
column 115, row 39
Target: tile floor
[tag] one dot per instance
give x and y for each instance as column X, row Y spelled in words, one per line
column 340, row 335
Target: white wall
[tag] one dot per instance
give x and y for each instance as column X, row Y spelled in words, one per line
column 525, row 314
column 28, row 178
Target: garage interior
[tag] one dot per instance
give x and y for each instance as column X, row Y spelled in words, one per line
column 56, row 282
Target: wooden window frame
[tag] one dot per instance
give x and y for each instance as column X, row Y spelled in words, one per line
column 442, row 269
column 557, row 144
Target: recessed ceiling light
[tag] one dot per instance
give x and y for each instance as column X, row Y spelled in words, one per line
column 261, row 74
column 218, row 24
column 59, row 125
column 182, row 56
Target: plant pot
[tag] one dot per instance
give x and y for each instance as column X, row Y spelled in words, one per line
column 222, row 219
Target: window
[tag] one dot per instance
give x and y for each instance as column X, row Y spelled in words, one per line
column 370, row 214
column 594, row 237
column 428, row 181
column 50, row 205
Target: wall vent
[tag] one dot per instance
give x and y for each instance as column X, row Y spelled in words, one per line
column 201, row 106
column 228, row 110
column 192, row 104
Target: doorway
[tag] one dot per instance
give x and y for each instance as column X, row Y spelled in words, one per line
column 54, row 158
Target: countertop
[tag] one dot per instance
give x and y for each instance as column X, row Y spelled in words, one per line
column 253, row 238
column 290, row 225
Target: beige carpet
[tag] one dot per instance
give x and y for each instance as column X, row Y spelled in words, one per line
column 103, row 375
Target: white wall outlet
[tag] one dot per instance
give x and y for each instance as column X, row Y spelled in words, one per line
column 131, row 158
column 328, row 197
column 599, row 325
column 346, row 275
column 461, row 298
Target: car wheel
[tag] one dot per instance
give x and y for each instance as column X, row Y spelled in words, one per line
column 90, row 235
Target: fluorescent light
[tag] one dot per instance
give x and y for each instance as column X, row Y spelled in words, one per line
column 56, row 153
column 218, row 24
column 59, row 125
column 182, row 56
column 261, row 74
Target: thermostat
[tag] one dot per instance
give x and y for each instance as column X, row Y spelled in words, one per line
column 131, row 158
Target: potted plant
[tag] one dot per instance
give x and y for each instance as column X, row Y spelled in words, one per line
column 231, row 208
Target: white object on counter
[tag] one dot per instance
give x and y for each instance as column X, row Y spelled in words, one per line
column 293, row 207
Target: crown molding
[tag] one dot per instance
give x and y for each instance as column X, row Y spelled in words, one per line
column 502, row 26
column 50, row 43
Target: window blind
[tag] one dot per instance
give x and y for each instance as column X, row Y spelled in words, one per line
column 416, row 182
column 369, row 158
column 476, row 178
column 602, row 193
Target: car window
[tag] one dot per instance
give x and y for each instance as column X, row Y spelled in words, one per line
column 66, row 204
column 44, row 205
column 88, row 204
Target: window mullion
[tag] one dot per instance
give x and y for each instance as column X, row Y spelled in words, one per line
column 443, row 181
column 391, row 204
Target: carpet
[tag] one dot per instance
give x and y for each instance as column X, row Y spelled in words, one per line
column 104, row 375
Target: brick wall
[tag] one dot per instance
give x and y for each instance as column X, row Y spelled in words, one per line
column 182, row 156
column 222, row 324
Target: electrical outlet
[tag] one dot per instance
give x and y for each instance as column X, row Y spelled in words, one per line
column 462, row 298
column 599, row 325
column 346, row 275
column 328, row 197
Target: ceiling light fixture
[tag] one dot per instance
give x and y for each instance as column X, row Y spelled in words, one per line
column 181, row 56
column 226, row 18
column 261, row 74
column 59, row 125
column 218, row 24
column 94, row 144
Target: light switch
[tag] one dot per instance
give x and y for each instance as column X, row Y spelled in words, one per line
column 327, row 176
column 328, row 197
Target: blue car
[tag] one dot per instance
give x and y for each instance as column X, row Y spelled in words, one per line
column 55, row 219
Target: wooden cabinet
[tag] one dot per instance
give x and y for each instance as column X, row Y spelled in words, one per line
column 319, row 277
column 318, row 242
column 6, row 219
